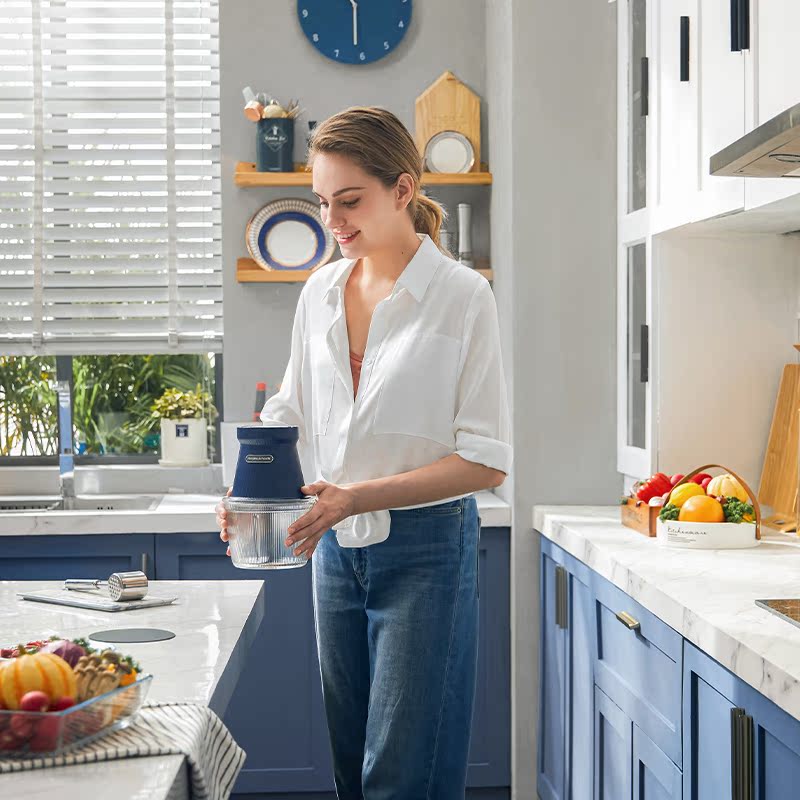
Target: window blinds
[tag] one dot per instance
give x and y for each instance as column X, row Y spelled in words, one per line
column 109, row 177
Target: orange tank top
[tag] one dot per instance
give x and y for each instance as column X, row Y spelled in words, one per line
column 355, row 369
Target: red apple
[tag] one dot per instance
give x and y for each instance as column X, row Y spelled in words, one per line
column 62, row 703
column 9, row 741
column 22, row 726
column 699, row 478
column 34, row 701
column 705, row 483
column 677, row 478
column 46, row 736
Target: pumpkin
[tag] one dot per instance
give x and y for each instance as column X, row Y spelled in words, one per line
column 727, row 486
column 45, row 672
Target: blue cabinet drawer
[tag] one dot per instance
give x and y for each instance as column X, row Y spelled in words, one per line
column 638, row 664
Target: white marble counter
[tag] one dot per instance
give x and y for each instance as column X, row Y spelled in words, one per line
column 706, row 595
column 175, row 513
column 214, row 622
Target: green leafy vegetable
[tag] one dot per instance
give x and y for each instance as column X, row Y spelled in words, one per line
column 735, row 510
column 669, row 512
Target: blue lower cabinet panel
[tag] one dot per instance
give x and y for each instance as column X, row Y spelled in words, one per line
column 655, row 777
column 276, row 712
column 639, row 660
column 580, row 685
column 612, row 750
column 56, row 558
column 552, row 687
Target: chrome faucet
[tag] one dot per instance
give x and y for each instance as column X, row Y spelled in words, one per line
column 66, row 460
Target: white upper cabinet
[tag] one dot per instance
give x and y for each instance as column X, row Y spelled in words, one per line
column 775, row 55
column 721, row 110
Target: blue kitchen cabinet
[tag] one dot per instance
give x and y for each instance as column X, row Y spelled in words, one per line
column 613, row 748
column 731, row 731
column 55, row 558
column 276, row 713
column 564, row 765
column 654, row 775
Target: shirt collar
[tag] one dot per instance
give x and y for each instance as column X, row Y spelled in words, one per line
column 416, row 277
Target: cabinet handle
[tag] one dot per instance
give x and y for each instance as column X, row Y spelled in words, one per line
column 735, row 46
column 561, row 597
column 644, row 356
column 628, row 621
column 741, row 755
column 684, row 49
column 645, row 76
column 744, row 24
column 747, row 756
column 144, row 564
column 735, row 751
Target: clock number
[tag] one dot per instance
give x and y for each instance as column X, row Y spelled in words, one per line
column 386, row 45
column 401, row 25
column 315, row 37
column 362, row 56
column 336, row 53
column 305, row 13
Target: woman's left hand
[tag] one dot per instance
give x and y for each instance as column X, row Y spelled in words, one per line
column 334, row 504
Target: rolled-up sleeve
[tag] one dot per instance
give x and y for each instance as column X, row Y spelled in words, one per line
column 286, row 407
column 481, row 425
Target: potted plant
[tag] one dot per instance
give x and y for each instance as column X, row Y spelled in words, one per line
column 183, row 427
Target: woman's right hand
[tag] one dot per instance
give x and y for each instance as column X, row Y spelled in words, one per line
column 222, row 521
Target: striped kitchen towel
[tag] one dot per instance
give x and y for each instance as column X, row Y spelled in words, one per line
column 162, row 729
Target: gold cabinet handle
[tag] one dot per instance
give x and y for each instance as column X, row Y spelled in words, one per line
column 628, row 621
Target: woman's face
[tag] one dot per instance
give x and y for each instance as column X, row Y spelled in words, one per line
column 360, row 211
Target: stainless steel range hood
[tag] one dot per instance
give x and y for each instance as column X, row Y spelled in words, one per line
column 772, row 150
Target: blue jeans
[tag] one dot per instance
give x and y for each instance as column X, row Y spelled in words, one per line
column 397, row 633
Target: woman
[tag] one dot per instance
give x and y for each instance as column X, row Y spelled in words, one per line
column 395, row 382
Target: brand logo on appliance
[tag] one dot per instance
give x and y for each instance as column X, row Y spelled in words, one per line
column 274, row 138
column 259, row 459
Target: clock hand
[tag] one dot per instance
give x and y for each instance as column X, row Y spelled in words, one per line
column 355, row 21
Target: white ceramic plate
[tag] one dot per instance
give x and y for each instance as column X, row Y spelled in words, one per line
column 449, row 151
column 289, row 235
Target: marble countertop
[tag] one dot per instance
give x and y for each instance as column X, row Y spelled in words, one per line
column 215, row 623
column 708, row 596
column 175, row 513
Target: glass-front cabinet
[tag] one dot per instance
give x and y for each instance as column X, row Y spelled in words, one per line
column 637, row 104
column 634, row 359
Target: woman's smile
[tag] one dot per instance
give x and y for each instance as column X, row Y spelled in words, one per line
column 346, row 238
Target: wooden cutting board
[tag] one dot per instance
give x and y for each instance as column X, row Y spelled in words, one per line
column 778, row 487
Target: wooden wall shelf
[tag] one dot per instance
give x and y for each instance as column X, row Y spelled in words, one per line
column 247, row 271
column 246, row 176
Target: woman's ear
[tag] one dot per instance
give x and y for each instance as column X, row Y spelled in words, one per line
column 404, row 190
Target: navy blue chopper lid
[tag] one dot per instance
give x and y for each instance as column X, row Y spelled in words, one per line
column 261, row 434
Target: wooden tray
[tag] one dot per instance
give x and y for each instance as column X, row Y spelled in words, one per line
column 640, row 516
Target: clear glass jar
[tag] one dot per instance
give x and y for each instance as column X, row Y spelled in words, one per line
column 257, row 530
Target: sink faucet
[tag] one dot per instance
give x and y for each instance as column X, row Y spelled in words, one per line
column 66, row 460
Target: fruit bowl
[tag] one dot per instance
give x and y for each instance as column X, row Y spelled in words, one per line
column 28, row 734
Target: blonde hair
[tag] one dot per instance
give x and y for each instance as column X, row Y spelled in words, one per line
column 380, row 144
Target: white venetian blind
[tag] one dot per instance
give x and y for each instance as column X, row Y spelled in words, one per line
column 109, row 176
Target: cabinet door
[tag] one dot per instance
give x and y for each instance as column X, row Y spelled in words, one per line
column 721, row 81
column 776, row 64
column 55, row 558
column 612, row 750
column 655, row 777
column 276, row 712
column 552, row 681
column 490, row 745
column 676, row 115
column 708, row 692
column 580, row 699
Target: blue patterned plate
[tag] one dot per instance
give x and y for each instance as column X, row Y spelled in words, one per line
column 289, row 234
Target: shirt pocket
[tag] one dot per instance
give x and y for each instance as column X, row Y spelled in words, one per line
column 322, row 377
column 418, row 392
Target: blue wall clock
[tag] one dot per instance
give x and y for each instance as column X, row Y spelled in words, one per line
column 354, row 31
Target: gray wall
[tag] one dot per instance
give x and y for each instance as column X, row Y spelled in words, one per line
column 551, row 75
column 262, row 45
column 546, row 74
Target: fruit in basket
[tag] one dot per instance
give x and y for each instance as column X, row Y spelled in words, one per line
column 46, row 672
column 62, row 703
column 68, row 650
column 22, row 726
column 34, row 701
column 701, row 508
column 680, row 494
column 45, row 736
column 677, row 478
column 699, row 478
column 727, row 486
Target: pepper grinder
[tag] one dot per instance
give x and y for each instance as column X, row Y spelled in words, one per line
column 465, row 234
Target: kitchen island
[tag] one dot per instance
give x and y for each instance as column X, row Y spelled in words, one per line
column 215, row 623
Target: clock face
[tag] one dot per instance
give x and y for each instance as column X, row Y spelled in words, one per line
column 354, row 31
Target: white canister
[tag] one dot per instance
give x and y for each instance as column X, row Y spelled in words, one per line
column 183, row 443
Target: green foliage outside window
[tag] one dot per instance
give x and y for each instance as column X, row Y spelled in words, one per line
column 112, row 401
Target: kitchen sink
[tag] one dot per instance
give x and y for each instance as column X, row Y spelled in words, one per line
column 788, row 608
column 89, row 502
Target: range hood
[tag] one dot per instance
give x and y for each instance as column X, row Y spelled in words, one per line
column 772, row 150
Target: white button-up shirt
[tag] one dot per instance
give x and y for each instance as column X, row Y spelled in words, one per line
column 431, row 385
